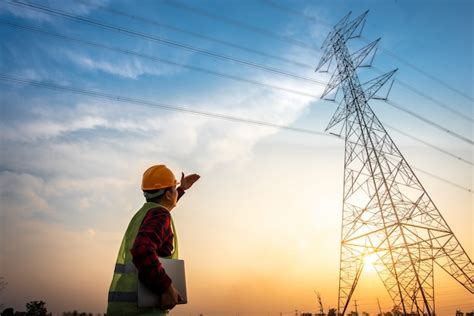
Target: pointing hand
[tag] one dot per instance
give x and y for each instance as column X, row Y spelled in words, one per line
column 188, row 181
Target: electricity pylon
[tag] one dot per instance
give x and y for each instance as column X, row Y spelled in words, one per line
column 386, row 211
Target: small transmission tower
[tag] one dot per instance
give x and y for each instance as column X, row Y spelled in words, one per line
column 320, row 302
column 386, row 211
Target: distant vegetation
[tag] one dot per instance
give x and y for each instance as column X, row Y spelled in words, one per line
column 38, row 308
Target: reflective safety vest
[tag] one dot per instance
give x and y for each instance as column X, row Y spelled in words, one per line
column 123, row 292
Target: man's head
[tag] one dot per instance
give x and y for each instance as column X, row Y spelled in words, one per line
column 159, row 185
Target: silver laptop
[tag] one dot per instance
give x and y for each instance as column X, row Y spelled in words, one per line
column 175, row 270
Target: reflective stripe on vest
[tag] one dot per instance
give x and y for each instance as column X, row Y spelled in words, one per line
column 125, row 280
column 125, row 268
column 130, row 297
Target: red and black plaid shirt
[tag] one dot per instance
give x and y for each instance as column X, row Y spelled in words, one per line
column 154, row 239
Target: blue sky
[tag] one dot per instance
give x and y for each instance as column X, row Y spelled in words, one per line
column 78, row 159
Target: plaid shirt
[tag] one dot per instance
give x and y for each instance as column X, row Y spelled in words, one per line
column 154, row 239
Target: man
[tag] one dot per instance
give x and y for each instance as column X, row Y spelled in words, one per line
column 149, row 235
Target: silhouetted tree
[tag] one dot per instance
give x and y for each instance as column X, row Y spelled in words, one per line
column 8, row 312
column 36, row 308
column 332, row 312
column 396, row 310
column 3, row 286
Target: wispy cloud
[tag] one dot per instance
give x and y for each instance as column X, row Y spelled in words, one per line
column 23, row 194
column 126, row 67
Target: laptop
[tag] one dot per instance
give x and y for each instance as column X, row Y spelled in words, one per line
column 175, row 270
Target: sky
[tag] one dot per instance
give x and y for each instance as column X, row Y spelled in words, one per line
column 260, row 231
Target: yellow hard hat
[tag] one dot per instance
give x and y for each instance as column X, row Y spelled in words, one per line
column 158, row 177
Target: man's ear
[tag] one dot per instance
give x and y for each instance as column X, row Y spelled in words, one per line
column 168, row 195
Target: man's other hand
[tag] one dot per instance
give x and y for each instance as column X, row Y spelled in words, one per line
column 169, row 298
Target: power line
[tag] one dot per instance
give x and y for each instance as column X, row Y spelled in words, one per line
column 430, row 145
column 427, row 96
column 164, row 106
column 185, row 46
column 237, row 23
column 161, row 40
column 124, row 99
column 421, row 118
column 423, row 72
column 180, row 45
column 157, row 59
column 384, row 50
column 233, row 45
column 195, row 34
column 442, row 179
column 241, row 79
column 219, row 74
column 154, row 58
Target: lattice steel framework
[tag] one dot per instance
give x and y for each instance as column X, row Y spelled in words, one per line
column 386, row 211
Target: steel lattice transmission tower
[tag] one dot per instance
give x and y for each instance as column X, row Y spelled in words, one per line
column 386, row 211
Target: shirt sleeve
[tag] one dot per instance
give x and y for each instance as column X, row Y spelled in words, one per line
column 151, row 235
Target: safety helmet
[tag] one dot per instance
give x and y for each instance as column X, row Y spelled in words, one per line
column 158, row 177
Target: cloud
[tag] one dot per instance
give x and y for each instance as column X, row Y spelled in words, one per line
column 48, row 129
column 73, row 165
column 23, row 194
column 89, row 156
column 128, row 67
column 320, row 23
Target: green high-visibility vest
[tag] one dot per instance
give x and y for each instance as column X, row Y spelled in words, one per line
column 123, row 295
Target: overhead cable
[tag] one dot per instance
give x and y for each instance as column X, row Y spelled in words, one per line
column 444, row 180
column 195, row 34
column 157, row 59
column 210, row 72
column 427, row 121
column 428, row 97
column 237, row 23
column 164, row 106
column 176, row 44
column 124, row 99
column 429, row 145
column 284, row 8
column 425, row 73
column 143, row 19
column 281, row 88
column 251, row 50
column 154, row 58
column 160, row 40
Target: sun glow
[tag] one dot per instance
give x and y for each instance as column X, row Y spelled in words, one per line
column 369, row 262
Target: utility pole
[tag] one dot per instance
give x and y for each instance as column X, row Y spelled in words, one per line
column 355, row 304
column 386, row 210
column 378, row 303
